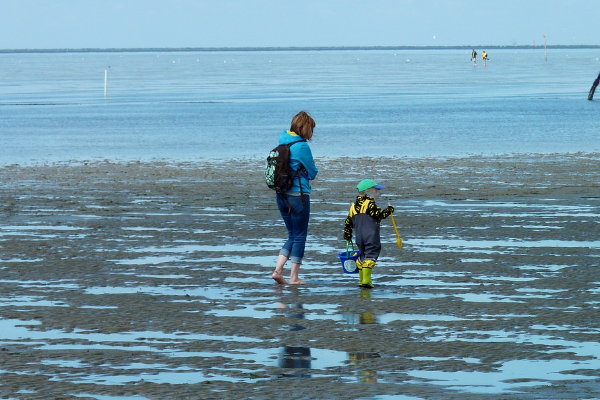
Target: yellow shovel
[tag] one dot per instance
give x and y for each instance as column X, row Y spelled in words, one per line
column 398, row 240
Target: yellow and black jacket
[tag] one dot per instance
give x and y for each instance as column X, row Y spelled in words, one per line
column 364, row 218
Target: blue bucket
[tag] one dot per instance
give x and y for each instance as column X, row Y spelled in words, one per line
column 348, row 259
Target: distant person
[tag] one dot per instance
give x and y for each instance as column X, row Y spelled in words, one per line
column 484, row 57
column 474, row 57
column 364, row 218
column 294, row 203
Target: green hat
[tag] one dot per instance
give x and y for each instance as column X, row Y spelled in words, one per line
column 367, row 184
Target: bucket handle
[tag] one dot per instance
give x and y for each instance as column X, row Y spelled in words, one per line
column 348, row 242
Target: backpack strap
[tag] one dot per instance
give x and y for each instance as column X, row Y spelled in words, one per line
column 298, row 172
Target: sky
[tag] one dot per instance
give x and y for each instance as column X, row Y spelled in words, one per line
column 74, row 24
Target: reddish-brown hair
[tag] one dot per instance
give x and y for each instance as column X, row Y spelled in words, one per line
column 303, row 125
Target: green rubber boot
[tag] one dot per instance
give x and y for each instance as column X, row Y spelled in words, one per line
column 360, row 272
column 367, row 268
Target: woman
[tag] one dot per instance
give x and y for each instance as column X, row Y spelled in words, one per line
column 294, row 204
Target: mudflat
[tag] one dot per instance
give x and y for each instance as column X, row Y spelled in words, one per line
column 153, row 281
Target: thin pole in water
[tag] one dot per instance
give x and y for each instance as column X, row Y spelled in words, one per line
column 545, row 50
column 105, row 82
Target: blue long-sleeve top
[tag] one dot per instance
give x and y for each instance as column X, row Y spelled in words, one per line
column 300, row 157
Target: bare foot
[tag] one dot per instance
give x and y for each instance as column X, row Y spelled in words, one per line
column 278, row 277
column 297, row 282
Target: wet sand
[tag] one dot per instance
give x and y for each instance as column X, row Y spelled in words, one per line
column 152, row 281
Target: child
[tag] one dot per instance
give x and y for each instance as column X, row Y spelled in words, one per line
column 364, row 218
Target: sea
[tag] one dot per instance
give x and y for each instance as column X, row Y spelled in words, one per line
column 222, row 104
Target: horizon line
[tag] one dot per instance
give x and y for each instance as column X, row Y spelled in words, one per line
column 291, row 48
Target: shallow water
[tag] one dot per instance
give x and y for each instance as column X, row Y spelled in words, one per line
column 198, row 105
